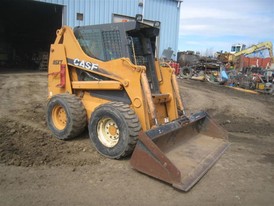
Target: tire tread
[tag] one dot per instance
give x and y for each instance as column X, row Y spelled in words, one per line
column 133, row 125
column 77, row 115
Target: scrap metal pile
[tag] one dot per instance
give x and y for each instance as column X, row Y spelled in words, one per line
column 201, row 68
column 255, row 78
column 218, row 71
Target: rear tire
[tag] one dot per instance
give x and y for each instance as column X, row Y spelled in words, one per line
column 66, row 116
column 114, row 129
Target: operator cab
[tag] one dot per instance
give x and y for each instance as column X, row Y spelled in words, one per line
column 133, row 40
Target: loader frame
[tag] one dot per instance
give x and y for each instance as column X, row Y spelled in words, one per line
column 118, row 75
column 107, row 77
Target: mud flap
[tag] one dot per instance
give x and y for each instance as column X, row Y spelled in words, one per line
column 182, row 151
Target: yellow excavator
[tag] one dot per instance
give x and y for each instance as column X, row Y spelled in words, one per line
column 255, row 48
column 238, row 50
column 107, row 78
column 263, row 45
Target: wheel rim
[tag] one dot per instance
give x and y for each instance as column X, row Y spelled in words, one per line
column 59, row 117
column 108, row 132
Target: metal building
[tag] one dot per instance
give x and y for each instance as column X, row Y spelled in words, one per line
column 28, row 26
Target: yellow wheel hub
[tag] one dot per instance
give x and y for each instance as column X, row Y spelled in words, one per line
column 59, row 117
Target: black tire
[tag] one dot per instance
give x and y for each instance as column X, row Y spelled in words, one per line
column 127, row 127
column 74, row 118
column 186, row 72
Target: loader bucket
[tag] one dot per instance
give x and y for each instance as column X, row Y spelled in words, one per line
column 182, row 151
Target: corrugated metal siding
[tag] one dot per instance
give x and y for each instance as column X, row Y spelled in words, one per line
column 167, row 13
column 100, row 12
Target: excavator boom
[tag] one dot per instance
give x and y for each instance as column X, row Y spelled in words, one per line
column 257, row 47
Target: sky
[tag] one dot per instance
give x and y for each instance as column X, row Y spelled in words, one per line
column 208, row 26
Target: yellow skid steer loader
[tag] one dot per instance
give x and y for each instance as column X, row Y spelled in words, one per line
column 107, row 77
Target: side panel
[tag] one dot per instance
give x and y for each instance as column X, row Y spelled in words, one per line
column 58, row 58
column 91, row 103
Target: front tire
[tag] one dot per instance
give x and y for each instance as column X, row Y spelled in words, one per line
column 66, row 116
column 114, row 129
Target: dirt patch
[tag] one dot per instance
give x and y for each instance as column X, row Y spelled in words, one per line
column 268, row 158
column 23, row 145
column 24, row 137
column 245, row 125
column 38, row 169
column 222, row 102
